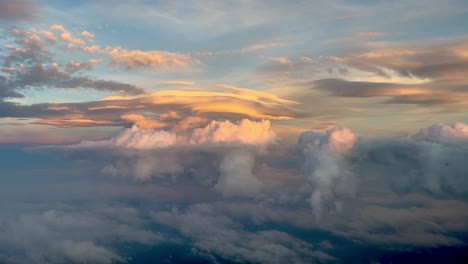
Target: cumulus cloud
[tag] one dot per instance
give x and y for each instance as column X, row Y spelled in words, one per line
column 89, row 36
column 244, row 132
column 236, row 176
column 247, row 132
column 68, row 37
column 442, row 133
column 439, row 168
column 134, row 138
column 160, row 153
column 406, row 193
column 327, row 169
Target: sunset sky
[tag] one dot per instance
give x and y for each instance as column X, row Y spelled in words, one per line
column 233, row 131
column 377, row 67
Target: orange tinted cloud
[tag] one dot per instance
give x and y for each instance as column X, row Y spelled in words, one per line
column 76, row 122
column 441, row 61
column 143, row 122
column 177, row 109
column 139, row 59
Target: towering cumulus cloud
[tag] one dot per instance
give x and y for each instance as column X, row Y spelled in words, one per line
column 148, row 153
column 246, row 132
column 326, row 168
column 441, row 133
column 236, row 176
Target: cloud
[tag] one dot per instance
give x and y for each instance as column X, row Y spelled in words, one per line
column 89, row 36
column 75, row 122
column 429, row 224
column 236, row 177
column 194, row 109
column 289, row 67
column 241, row 103
column 441, row 133
column 422, row 94
column 439, row 168
column 327, row 169
column 226, row 238
column 138, row 59
column 176, row 83
column 143, row 122
column 250, row 202
column 246, row 132
column 438, row 69
column 248, row 49
column 439, row 61
column 56, row 236
column 50, row 36
column 134, row 138
column 68, row 37
column 144, row 154
column 31, row 65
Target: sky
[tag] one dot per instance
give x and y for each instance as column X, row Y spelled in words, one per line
column 233, row 131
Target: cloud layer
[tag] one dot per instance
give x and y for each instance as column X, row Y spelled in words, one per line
column 242, row 195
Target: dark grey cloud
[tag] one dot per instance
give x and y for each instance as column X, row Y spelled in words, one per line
column 442, row 93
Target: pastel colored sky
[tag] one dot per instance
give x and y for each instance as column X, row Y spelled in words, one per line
column 378, row 67
column 244, row 131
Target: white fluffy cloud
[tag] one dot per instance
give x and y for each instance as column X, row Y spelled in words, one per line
column 244, row 132
column 144, row 154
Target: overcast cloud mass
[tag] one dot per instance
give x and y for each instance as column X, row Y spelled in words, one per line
column 233, row 131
